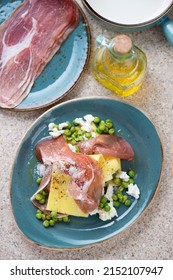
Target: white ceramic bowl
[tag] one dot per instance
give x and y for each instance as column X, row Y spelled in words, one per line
column 133, row 15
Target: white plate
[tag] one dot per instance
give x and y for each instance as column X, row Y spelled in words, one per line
column 133, row 12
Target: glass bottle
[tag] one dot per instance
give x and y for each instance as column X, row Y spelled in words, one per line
column 119, row 65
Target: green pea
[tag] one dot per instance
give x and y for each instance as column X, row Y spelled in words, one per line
column 42, row 201
column 88, row 135
column 98, row 130
column 75, row 123
column 53, row 214
column 106, row 130
column 127, row 202
column 125, row 185
column 39, row 211
column 115, row 197
column 101, row 205
column 38, row 180
column 131, row 173
column 102, row 126
column 111, row 131
column 78, row 128
column 116, row 203
column 55, row 219
column 67, row 132
column 43, row 193
column 66, row 219
column 73, row 129
column 74, row 134
column 121, row 188
column 120, row 196
column 96, row 120
column 48, row 217
column 107, row 208
column 125, row 197
column 59, row 219
column 68, row 125
column 103, row 200
column 109, row 123
column 38, row 216
column 38, row 196
column 73, row 142
column 131, row 181
column 79, row 139
column 52, row 223
column 81, row 132
column 43, row 217
column 46, row 223
column 117, row 181
column 118, row 192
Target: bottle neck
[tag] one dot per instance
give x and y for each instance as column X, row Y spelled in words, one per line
column 121, row 57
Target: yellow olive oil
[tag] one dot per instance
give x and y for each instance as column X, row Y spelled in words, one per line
column 119, row 66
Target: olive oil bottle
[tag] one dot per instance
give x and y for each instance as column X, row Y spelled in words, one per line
column 119, row 65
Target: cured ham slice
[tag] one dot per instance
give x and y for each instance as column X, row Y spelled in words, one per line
column 28, row 41
column 107, row 145
column 87, row 177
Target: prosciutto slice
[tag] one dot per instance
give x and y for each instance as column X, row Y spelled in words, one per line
column 87, row 178
column 28, row 41
column 108, row 145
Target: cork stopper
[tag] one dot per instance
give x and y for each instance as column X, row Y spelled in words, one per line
column 122, row 44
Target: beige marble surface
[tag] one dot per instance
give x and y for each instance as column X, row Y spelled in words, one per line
column 151, row 237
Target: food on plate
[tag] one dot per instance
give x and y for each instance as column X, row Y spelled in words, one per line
column 80, row 171
column 86, row 177
column 59, row 200
column 108, row 145
column 29, row 39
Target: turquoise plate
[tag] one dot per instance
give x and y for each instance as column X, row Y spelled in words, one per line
column 132, row 125
column 65, row 69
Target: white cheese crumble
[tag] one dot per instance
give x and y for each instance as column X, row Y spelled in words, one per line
column 41, row 168
column 104, row 216
column 86, row 122
column 89, row 118
column 56, row 133
column 62, row 125
column 133, row 190
column 123, row 175
column 51, row 126
column 110, row 191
